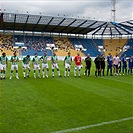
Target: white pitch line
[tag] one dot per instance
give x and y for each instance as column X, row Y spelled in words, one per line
column 93, row 125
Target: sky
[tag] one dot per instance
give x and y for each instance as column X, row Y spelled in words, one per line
column 87, row 9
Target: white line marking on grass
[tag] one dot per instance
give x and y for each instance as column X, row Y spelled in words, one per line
column 93, row 125
column 116, row 80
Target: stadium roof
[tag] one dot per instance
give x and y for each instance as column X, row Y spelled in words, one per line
column 39, row 23
column 113, row 28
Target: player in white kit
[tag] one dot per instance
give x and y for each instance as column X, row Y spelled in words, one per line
column 3, row 65
column 14, row 60
column 45, row 64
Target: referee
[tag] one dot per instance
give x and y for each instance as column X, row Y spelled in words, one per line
column 102, row 64
column 98, row 65
column 88, row 65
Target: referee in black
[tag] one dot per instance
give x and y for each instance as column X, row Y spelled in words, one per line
column 88, row 65
column 102, row 64
column 98, row 65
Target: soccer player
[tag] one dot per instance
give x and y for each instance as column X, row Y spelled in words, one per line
column 87, row 65
column 3, row 65
column 109, row 64
column 98, row 65
column 116, row 61
column 0, row 70
column 124, row 64
column 130, row 61
column 26, row 65
column 54, row 62
column 67, row 64
column 45, row 64
column 78, row 62
column 102, row 64
column 119, row 65
column 14, row 60
column 36, row 65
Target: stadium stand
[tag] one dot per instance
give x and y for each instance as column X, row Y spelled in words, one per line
column 6, row 44
column 91, row 46
column 63, row 43
column 34, row 44
column 38, row 44
column 64, row 46
column 129, row 46
column 114, row 46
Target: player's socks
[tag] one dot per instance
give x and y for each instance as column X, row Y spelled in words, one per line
column 47, row 73
column 28, row 72
column 79, row 73
column 68, row 73
column 4, row 75
column 0, row 74
column 85, row 73
column 96, row 73
column 39, row 75
column 88, row 72
column 126, row 71
column 75, row 73
column 99, row 73
column 35, row 75
column 111, row 72
column 52, row 74
column 103, row 72
column 65, row 73
column 11, row 75
column 59, row 73
column 17, row 76
column 107, row 71
column 24, row 74
column 43, row 74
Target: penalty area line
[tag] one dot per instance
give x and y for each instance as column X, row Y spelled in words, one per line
column 93, row 125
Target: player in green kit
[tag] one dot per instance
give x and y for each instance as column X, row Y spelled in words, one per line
column 67, row 64
column 45, row 64
column 14, row 60
column 36, row 65
column 3, row 65
column 54, row 61
column 26, row 65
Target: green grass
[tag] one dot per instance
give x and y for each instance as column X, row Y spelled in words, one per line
column 52, row 104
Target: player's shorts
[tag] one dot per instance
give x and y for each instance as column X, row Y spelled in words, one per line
column 116, row 66
column 55, row 66
column 98, row 67
column 26, row 66
column 44, row 65
column 0, row 66
column 78, row 67
column 36, row 67
column 109, row 66
column 67, row 66
column 3, row 67
column 130, row 66
column 102, row 66
column 125, row 66
column 14, row 67
column 88, row 67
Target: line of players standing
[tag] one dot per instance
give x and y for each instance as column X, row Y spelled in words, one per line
column 115, row 65
column 36, row 65
column 100, row 63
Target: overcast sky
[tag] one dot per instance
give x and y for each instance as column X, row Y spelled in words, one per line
column 93, row 9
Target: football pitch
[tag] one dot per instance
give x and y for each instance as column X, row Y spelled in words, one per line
column 66, row 105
